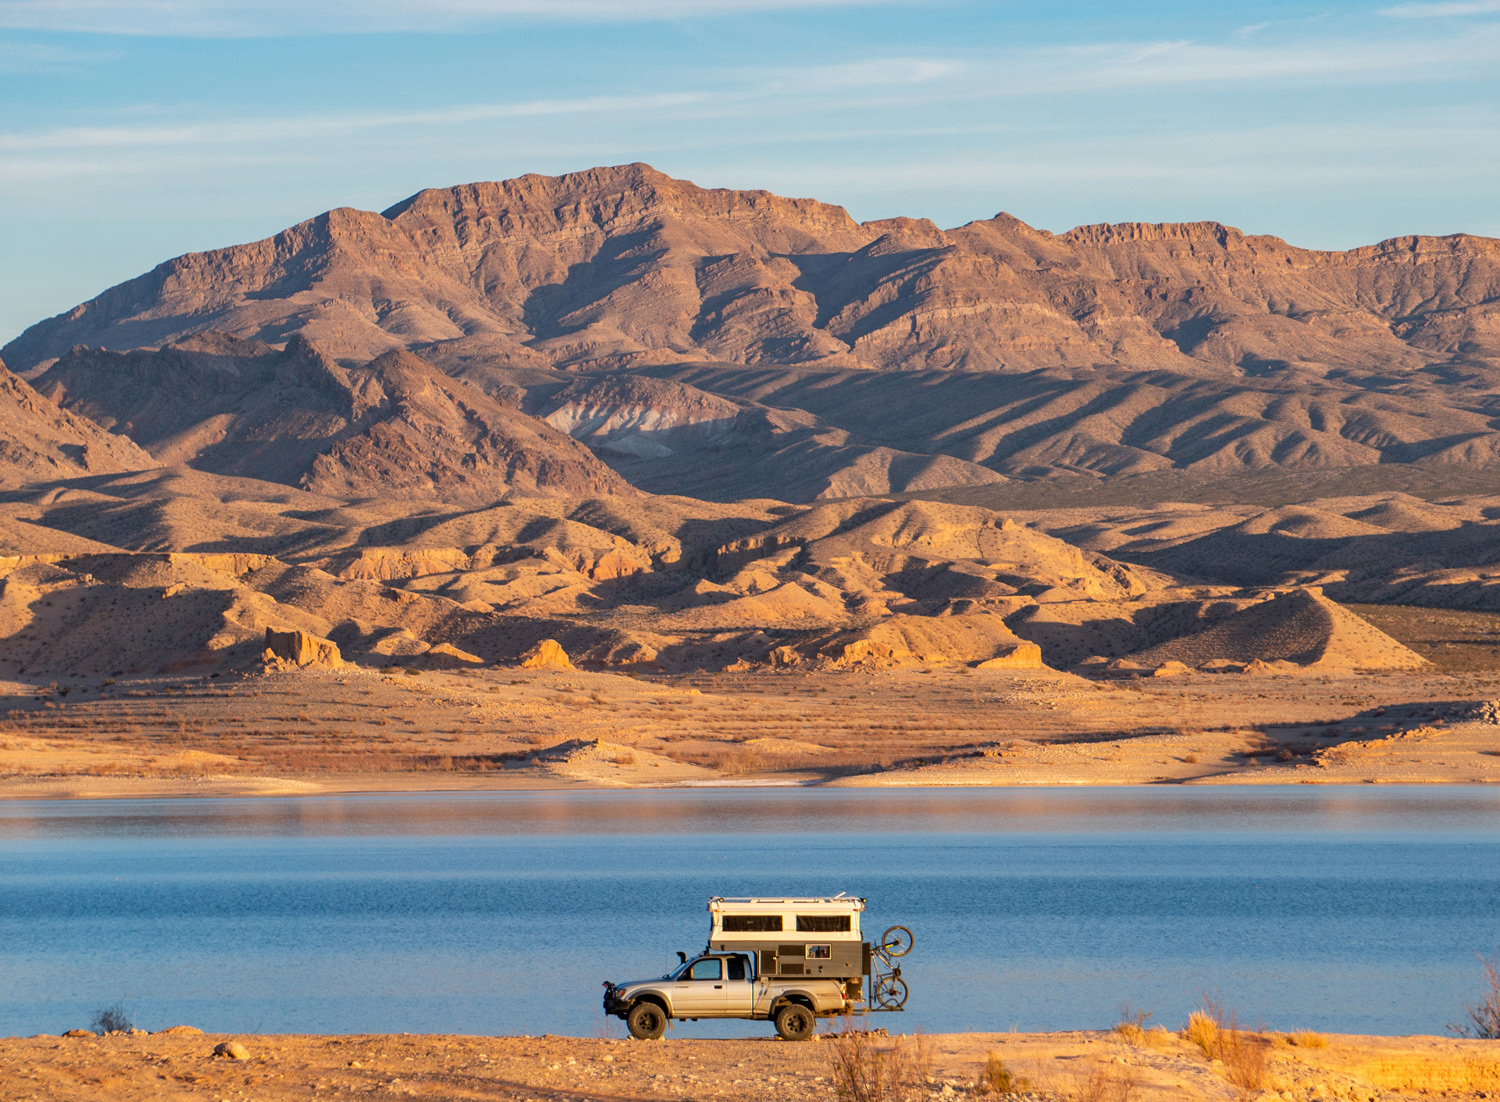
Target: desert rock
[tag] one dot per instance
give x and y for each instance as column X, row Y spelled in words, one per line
column 546, row 655
column 301, row 649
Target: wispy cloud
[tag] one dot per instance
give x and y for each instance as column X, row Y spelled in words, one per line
column 38, row 57
column 252, row 18
column 1438, row 10
column 1126, row 65
column 297, row 127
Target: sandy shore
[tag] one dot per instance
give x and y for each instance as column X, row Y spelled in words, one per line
column 353, row 730
column 1057, row 1066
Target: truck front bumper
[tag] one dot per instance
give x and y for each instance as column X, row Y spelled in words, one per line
column 613, row 1003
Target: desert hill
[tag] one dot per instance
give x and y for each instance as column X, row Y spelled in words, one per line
column 39, row 442
column 393, row 425
column 181, row 570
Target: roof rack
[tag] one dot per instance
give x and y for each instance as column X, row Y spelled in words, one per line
column 855, row 901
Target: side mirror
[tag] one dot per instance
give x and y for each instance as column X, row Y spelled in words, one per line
column 681, row 957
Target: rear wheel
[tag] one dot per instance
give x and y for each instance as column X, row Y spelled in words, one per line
column 646, row 1021
column 890, row 993
column 794, row 1023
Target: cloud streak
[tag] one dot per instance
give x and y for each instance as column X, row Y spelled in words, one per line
column 273, row 18
column 1442, row 10
column 893, row 82
column 295, row 127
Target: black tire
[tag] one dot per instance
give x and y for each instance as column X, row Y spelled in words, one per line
column 896, row 942
column 890, row 993
column 795, row 1023
column 646, row 1021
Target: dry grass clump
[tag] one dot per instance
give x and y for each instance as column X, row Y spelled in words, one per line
column 1243, row 1054
column 996, row 1078
column 1484, row 1016
column 1132, row 1029
column 1301, row 1038
column 1203, row 1031
column 867, row 1068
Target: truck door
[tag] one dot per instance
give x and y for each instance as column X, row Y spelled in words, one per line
column 700, row 991
column 739, row 987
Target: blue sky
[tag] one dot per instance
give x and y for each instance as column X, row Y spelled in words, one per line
column 135, row 130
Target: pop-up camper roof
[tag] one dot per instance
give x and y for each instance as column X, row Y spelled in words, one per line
column 825, row 918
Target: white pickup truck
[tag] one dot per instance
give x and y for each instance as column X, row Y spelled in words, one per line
column 725, row 985
column 788, row 960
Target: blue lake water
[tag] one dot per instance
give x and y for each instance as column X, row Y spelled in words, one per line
column 1356, row 910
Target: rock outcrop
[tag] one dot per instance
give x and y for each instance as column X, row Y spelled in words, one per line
column 299, row 648
column 546, row 655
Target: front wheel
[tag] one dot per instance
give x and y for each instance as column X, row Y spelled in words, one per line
column 646, row 1021
column 794, row 1023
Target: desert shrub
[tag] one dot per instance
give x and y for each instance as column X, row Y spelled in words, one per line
column 866, row 1068
column 1202, row 1030
column 996, row 1078
column 1219, row 1037
column 1132, row 1024
column 1306, row 1038
column 1484, row 1016
column 112, row 1019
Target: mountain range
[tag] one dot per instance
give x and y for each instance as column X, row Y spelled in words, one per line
column 655, row 421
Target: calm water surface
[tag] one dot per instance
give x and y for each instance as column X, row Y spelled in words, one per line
column 1335, row 909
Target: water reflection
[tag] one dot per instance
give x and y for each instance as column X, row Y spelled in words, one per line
column 1155, row 810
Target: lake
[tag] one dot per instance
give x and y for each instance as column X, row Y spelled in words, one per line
column 1338, row 909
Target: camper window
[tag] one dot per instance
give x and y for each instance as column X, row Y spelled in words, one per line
column 820, row 952
column 821, row 924
column 753, row 924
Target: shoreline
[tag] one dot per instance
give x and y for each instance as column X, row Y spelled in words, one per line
column 62, row 790
column 288, row 734
column 1150, row 1065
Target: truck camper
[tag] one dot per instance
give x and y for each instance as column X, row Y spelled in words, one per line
column 783, row 959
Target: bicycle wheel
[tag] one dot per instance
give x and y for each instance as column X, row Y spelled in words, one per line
column 890, row 993
column 896, row 942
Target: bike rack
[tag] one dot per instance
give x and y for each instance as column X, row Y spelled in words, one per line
column 888, row 990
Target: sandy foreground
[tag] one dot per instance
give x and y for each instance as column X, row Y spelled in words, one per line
column 351, row 730
column 1055, row 1066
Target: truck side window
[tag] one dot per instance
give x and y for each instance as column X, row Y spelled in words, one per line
column 736, row 968
column 707, row 970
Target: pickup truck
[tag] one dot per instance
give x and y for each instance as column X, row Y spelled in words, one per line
column 725, row 985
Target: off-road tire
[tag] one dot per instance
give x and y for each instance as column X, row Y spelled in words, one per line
column 646, row 1021
column 795, row 1023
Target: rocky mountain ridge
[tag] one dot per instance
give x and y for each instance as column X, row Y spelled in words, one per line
column 624, row 266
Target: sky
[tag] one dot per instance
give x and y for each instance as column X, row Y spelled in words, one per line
column 132, row 131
